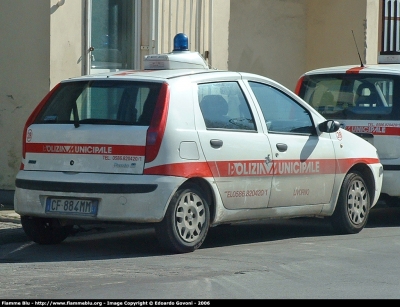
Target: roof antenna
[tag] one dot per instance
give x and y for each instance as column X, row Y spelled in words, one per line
column 362, row 65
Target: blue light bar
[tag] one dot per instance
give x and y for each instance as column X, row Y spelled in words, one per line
column 181, row 42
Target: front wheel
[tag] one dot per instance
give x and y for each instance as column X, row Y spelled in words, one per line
column 353, row 205
column 186, row 222
column 45, row 231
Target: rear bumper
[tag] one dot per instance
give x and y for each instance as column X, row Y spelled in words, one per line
column 122, row 198
column 84, row 187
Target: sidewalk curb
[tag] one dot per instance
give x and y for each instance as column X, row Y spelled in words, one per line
column 9, row 216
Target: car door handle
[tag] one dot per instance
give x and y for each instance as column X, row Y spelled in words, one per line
column 216, row 143
column 281, row 147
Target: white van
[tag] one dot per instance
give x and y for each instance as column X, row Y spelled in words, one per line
column 365, row 99
column 184, row 147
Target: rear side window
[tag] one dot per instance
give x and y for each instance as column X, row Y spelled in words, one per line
column 102, row 102
column 353, row 96
column 224, row 106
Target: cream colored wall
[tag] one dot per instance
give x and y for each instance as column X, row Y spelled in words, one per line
column 65, row 40
column 268, row 38
column 283, row 39
column 24, row 77
column 330, row 40
column 220, row 34
column 373, row 31
column 145, row 31
column 41, row 45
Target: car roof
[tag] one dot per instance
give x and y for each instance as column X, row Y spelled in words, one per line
column 146, row 74
column 373, row 68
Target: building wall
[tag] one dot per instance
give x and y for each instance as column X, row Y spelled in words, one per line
column 329, row 39
column 39, row 48
column 283, row 39
column 66, row 39
column 24, row 75
column 268, row 38
column 220, row 33
column 373, row 31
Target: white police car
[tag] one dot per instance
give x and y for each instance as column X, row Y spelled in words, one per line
column 186, row 147
column 365, row 100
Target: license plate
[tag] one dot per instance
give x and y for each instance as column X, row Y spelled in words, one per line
column 72, row 206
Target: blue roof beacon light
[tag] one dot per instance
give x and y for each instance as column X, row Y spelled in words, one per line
column 181, row 42
column 179, row 58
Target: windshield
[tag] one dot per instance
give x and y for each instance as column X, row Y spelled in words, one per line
column 101, row 102
column 353, row 96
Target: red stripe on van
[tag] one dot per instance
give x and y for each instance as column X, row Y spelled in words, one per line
column 374, row 130
column 89, row 149
column 298, row 85
column 354, row 70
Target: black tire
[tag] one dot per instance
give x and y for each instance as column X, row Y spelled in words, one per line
column 186, row 222
column 45, row 231
column 353, row 205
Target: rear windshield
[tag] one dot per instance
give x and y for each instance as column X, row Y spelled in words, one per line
column 101, row 102
column 353, row 96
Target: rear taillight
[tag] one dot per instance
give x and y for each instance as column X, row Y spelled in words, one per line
column 156, row 129
column 32, row 118
column 298, row 85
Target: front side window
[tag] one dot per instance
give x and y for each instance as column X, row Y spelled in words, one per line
column 352, row 96
column 281, row 113
column 224, row 106
column 102, row 102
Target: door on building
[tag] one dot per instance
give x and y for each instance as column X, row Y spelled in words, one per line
column 111, row 32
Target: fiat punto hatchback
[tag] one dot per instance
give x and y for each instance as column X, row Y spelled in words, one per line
column 185, row 147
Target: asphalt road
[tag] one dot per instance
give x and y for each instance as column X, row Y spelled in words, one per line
column 294, row 259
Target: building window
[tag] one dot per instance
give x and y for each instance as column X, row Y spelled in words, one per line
column 112, row 35
column 390, row 43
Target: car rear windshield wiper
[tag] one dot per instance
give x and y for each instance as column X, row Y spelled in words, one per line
column 104, row 121
column 76, row 115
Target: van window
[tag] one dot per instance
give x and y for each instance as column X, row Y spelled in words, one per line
column 352, row 96
column 99, row 102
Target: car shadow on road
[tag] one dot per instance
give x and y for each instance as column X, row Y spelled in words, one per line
column 99, row 243
column 272, row 230
column 383, row 216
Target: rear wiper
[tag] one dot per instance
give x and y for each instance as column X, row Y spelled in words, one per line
column 104, row 121
column 76, row 115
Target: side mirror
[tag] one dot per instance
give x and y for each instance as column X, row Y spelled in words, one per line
column 329, row 126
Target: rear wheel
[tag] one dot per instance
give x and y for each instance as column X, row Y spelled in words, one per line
column 353, row 206
column 186, row 222
column 45, row 230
